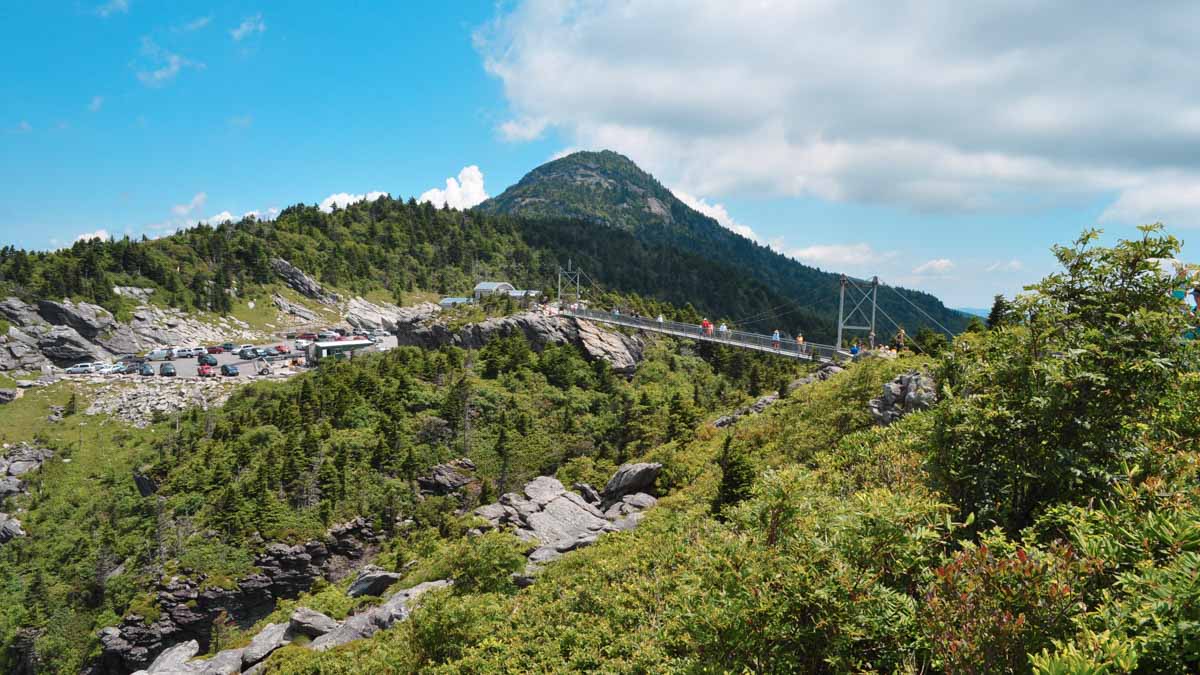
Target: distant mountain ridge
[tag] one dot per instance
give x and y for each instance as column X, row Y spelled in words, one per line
column 610, row 190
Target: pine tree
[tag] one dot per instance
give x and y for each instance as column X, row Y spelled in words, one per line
column 737, row 476
column 1001, row 312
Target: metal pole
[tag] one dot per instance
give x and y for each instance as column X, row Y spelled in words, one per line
column 841, row 308
column 874, row 295
column 560, row 287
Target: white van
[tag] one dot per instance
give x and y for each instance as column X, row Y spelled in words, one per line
column 160, row 354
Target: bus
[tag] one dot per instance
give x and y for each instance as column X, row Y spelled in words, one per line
column 337, row 349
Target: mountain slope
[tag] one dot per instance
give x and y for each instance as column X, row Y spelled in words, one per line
column 609, row 190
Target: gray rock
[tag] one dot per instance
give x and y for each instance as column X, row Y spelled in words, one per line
column 225, row 662
column 302, row 283
column 10, row 528
column 10, row 485
column 288, row 307
column 588, row 493
column 305, row 621
column 63, row 344
column 445, row 479
column 906, row 393
column 173, row 659
column 365, row 624
column 19, row 313
column 8, row 395
column 366, row 315
column 22, row 467
column 631, row 478
column 87, row 319
column 372, row 581
column 270, row 638
column 145, row 484
column 622, row 352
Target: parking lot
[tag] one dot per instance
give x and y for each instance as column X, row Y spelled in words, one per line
column 188, row 367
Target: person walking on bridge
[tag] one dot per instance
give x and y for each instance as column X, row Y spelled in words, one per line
column 724, row 331
column 660, row 320
column 775, row 339
column 799, row 342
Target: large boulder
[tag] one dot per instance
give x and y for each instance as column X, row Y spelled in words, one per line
column 63, row 344
column 19, row 313
column 631, row 478
column 444, row 479
column 372, row 581
column 288, row 307
column 366, row 315
column 906, row 393
column 302, row 283
column 174, row 659
column 270, row 638
column 87, row 319
column 10, row 528
column 305, row 621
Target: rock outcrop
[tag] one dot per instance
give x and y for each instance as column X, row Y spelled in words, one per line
column 16, row 462
column 906, row 393
column 623, row 352
column 302, row 283
column 62, row 333
column 188, row 607
column 365, row 315
column 154, row 397
column 444, row 479
column 753, row 409
column 556, row 520
column 288, row 307
column 823, row 373
column 372, row 581
column 365, row 624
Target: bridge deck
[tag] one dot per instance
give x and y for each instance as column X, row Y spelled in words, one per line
column 763, row 343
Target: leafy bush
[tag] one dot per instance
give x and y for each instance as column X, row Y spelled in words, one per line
column 1052, row 408
column 995, row 603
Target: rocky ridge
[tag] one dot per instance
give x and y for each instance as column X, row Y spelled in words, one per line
column 141, row 401
column 365, row 315
column 302, row 283
column 623, row 352
column 188, row 607
column 824, row 373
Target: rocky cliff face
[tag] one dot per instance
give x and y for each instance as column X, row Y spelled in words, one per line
column 188, row 608
column 366, row 315
column 15, row 463
column 622, row 351
column 906, row 393
column 61, row 333
column 302, row 283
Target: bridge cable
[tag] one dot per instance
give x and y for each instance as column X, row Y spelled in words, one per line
column 927, row 316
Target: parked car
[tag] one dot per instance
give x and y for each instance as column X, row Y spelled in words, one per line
column 310, row 337
column 133, row 358
column 81, row 369
column 263, row 352
column 301, row 343
column 246, row 354
column 282, row 349
column 327, row 335
column 206, row 371
column 229, row 370
column 167, row 370
column 160, row 354
column 206, row 360
column 216, row 349
column 245, row 347
column 228, row 346
column 146, row 369
column 106, row 368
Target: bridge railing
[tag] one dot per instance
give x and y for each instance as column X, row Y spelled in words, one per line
column 784, row 347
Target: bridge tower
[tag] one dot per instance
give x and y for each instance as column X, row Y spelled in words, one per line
column 865, row 293
column 570, row 275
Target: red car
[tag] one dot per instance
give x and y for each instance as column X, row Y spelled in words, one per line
column 282, row 349
column 311, row 337
column 206, row 371
column 216, row 349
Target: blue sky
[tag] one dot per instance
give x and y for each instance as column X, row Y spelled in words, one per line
column 939, row 148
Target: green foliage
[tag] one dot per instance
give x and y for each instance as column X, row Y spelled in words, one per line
column 996, row 602
column 1053, row 408
column 1000, row 312
column 737, row 476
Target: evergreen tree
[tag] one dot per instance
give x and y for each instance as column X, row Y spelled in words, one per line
column 1001, row 310
column 737, row 476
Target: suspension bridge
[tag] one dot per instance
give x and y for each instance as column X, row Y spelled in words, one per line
column 862, row 314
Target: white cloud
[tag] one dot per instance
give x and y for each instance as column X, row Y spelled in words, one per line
column 463, row 193
column 113, row 7
column 1013, row 265
column 268, row 214
column 717, row 212
column 219, row 218
column 249, row 26
column 196, row 24
column 169, row 64
column 98, row 234
column 342, row 200
column 972, row 108
column 836, row 255
column 196, row 202
column 1170, row 199
column 96, row 103
column 936, row 266
column 524, row 129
